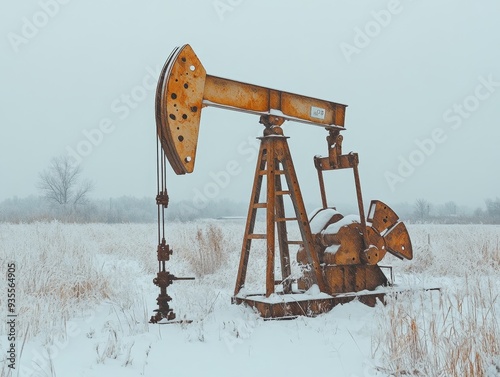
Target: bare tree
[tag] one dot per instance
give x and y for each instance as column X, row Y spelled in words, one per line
column 61, row 182
column 422, row 209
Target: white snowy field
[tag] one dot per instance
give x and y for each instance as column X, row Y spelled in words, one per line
column 84, row 295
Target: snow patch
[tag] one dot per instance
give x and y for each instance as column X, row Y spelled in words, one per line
column 321, row 218
column 346, row 220
column 313, row 291
column 332, row 249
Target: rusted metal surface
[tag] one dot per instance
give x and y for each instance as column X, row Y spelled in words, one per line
column 184, row 88
column 162, row 199
column 281, row 227
column 349, row 244
column 236, row 95
column 349, row 255
column 361, row 209
column 381, row 216
column 398, row 242
column 163, row 280
column 164, row 251
column 313, row 307
column 273, row 153
column 377, row 247
column 340, row 262
column 271, row 166
column 164, row 313
column 179, row 101
column 250, row 224
column 348, row 265
column 290, row 307
column 354, row 278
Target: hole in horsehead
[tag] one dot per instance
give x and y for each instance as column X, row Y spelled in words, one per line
column 174, row 96
column 194, row 109
column 192, row 68
column 184, row 116
column 172, row 116
column 186, row 86
column 183, row 59
column 180, row 137
column 188, row 159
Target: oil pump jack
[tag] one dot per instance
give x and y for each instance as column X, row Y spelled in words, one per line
column 339, row 254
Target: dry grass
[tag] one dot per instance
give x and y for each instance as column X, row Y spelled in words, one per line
column 458, row 250
column 455, row 332
column 64, row 270
column 207, row 253
column 447, row 334
column 61, row 272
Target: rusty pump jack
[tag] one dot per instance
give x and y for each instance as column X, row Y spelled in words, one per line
column 339, row 254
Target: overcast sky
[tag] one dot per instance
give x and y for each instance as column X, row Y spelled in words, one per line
column 421, row 79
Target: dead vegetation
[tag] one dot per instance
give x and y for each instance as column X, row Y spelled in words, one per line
column 207, row 253
column 455, row 332
column 65, row 269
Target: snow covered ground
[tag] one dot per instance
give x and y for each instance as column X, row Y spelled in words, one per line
column 84, row 295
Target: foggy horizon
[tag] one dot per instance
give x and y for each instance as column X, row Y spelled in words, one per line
column 421, row 81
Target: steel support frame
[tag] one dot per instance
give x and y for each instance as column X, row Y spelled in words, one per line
column 273, row 154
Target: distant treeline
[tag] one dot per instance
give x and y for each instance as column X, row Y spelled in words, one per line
column 114, row 210
column 144, row 210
